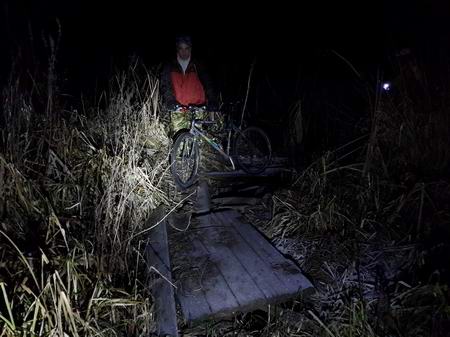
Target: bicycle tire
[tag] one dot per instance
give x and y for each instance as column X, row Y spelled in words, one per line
column 178, row 133
column 184, row 151
column 252, row 150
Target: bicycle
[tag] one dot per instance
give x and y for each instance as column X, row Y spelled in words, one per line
column 250, row 148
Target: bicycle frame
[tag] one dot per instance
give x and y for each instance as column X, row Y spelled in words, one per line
column 246, row 152
column 195, row 131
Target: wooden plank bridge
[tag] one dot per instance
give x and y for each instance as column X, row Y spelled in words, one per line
column 223, row 265
column 219, row 265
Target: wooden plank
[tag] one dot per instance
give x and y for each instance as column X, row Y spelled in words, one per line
column 228, row 201
column 190, row 293
column 203, row 203
column 268, row 172
column 204, row 292
column 198, row 277
column 238, row 275
column 245, row 289
column 216, row 290
column 291, row 272
column 224, row 266
column 157, row 256
column 270, row 282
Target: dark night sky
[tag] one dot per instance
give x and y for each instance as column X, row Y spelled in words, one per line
column 288, row 41
column 93, row 29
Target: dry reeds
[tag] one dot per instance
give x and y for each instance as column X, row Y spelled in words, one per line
column 365, row 230
column 74, row 192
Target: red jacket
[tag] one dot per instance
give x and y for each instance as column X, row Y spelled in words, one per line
column 193, row 87
column 187, row 88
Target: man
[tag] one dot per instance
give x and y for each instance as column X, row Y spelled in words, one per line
column 185, row 82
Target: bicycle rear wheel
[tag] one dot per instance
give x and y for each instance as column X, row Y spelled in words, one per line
column 252, row 150
column 184, row 158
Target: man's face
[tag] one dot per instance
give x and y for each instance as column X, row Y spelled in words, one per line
column 184, row 51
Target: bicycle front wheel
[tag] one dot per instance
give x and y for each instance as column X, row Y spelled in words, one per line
column 252, row 150
column 184, row 158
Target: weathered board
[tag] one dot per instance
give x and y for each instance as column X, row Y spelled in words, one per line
column 160, row 276
column 268, row 172
column 223, row 265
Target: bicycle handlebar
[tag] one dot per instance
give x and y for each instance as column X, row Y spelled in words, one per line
column 191, row 108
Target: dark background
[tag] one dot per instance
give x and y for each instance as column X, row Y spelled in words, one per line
column 294, row 46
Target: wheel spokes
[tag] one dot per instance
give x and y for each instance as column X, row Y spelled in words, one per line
column 253, row 150
column 185, row 160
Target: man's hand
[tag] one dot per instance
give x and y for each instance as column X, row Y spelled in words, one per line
column 180, row 108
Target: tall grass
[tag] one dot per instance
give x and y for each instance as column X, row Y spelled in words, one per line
column 75, row 191
column 368, row 223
